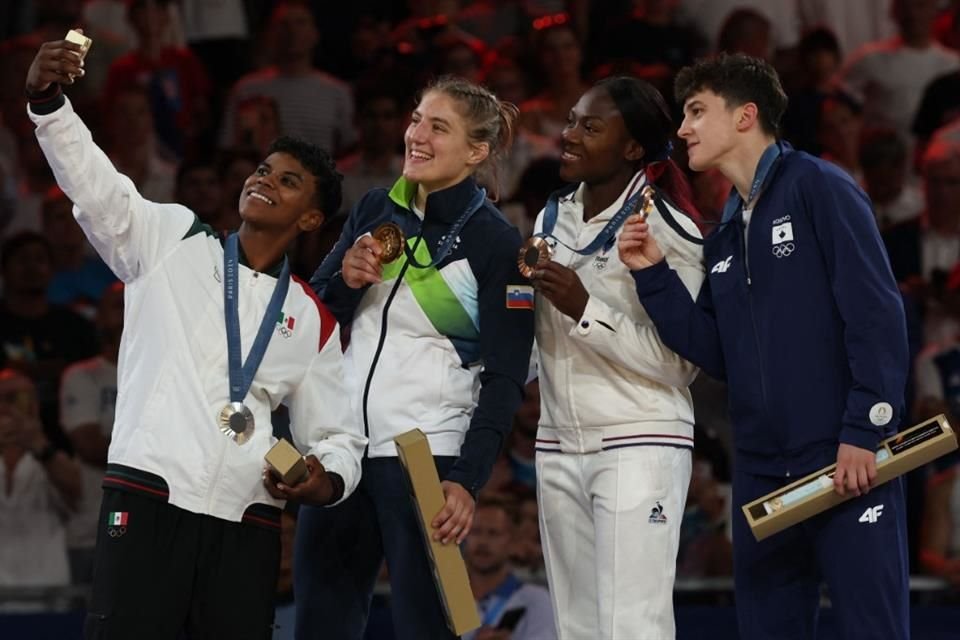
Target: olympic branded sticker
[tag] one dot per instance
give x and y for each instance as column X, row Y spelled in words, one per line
column 881, row 414
column 782, row 238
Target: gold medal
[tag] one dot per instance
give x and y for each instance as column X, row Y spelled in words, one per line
column 391, row 239
column 535, row 253
column 236, row 421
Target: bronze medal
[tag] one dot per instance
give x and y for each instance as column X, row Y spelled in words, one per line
column 391, row 239
column 535, row 253
column 646, row 203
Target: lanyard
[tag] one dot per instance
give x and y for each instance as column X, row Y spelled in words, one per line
column 767, row 161
column 499, row 598
column 553, row 205
column 241, row 376
column 452, row 235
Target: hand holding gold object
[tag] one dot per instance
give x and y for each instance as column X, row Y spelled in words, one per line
column 391, row 239
column 646, row 204
column 534, row 254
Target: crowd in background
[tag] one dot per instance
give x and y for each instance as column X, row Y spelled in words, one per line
column 186, row 95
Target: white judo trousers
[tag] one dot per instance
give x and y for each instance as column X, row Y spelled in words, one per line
column 610, row 530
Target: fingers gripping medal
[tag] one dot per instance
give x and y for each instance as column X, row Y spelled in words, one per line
column 391, row 239
column 78, row 38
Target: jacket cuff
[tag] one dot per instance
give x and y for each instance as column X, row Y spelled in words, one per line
column 337, row 482
column 651, row 279
column 868, row 439
column 46, row 101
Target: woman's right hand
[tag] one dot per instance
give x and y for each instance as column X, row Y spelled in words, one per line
column 637, row 247
column 57, row 61
column 361, row 263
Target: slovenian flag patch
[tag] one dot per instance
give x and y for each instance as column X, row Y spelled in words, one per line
column 519, row 296
column 117, row 519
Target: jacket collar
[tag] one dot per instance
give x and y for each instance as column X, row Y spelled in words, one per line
column 445, row 205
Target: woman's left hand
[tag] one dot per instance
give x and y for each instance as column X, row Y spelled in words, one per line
column 563, row 288
column 455, row 519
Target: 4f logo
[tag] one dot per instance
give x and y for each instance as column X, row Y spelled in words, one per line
column 722, row 266
column 872, row 514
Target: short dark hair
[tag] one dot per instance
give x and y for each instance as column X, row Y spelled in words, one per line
column 318, row 162
column 738, row 79
column 881, row 147
column 19, row 241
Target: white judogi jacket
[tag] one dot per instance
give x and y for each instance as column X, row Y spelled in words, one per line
column 606, row 380
column 172, row 371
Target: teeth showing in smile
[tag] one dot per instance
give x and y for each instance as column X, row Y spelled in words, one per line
column 259, row 196
column 566, row 155
column 419, row 155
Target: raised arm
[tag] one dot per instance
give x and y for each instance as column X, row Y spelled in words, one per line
column 131, row 234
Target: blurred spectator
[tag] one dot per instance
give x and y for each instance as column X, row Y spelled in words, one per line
column 941, row 180
column 939, row 106
column 285, row 615
column 132, row 145
column 173, row 77
column 940, row 528
column 491, row 21
column 88, row 400
column 946, row 28
column 313, row 105
column 897, row 201
column 559, row 55
column 506, row 79
column 198, row 188
column 746, row 31
column 378, row 161
column 838, row 132
column 218, row 32
column 256, row 125
column 708, row 17
column 526, row 552
column 460, row 57
column 40, row 483
column 32, row 180
column 234, row 167
column 509, row 609
column 539, row 179
column 523, row 437
column 705, row 546
column 819, row 59
column 79, row 275
column 654, row 23
column 888, row 77
column 108, row 19
column 854, row 22
column 36, row 336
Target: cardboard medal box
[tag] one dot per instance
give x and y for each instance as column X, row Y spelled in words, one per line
column 814, row 493
column 449, row 571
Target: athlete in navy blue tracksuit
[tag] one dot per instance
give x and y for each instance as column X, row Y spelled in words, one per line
column 801, row 315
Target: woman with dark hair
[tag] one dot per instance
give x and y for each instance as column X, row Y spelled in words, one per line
column 616, row 428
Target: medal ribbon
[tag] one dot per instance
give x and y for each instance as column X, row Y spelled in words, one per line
column 553, row 205
column 241, row 376
column 735, row 203
column 455, row 230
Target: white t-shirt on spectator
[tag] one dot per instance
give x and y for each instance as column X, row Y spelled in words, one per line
column 88, row 395
column 854, row 22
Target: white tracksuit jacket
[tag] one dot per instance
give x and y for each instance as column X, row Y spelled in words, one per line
column 172, row 372
column 612, row 383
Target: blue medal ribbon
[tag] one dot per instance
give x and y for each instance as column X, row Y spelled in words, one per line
column 241, row 375
column 734, row 202
column 455, row 230
column 606, row 234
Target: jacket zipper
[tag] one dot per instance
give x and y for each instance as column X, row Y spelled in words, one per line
column 753, row 324
column 383, row 339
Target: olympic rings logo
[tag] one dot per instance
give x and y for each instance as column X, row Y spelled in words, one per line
column 783, row 250
column 116, row 532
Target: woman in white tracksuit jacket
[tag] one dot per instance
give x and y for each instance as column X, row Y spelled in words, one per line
column 616, row 428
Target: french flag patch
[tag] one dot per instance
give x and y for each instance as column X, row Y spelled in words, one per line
column 519, row 296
